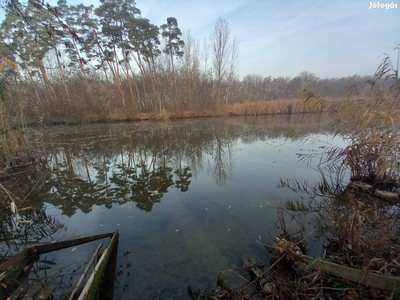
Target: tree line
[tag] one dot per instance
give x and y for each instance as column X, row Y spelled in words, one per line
column 80, row 59
column 71, row 63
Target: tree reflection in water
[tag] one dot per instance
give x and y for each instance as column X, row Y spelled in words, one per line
column 141, row 162
column 358, row 228
column 183, row 180
column 99, row 166
column 139, row 182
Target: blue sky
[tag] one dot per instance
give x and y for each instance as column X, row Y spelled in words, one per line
column 283, row 38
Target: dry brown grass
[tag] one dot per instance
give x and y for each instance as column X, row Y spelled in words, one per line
column 369, row 124
column 361, row 224
column 192, row 114
column 280, row 106
column 119, row 114
column 14, row 147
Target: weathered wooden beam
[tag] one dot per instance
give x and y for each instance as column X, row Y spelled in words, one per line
column 46, row 248
column 367, row 277
column 92, row 286
column 106, row 291
column 16, row 268
column 13, row 269
column 85, row 272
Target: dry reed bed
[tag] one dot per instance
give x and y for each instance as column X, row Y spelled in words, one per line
column 279, row 106
column 80, row 113
column 298, row 121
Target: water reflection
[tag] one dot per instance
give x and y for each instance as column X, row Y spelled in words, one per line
column 30, row 222
column 210, row 185
column 357, row 227
column 110, row 180
column 116, row 164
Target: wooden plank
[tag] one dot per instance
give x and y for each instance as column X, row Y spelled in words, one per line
column 369, row 278
column 85, row 272
column 46, row 248
column 18, row 262
column 20, row 287
column 21, row 259
column 106, row 291
column 92, row 287
column 14, row 269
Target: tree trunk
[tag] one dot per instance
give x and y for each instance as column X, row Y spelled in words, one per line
column 115, row 75
column 128, row 77
column 176, row 97
column 33, row 84
column 156, row 92
column 138, row 102
column 80, row 61
column 46, row 79
column 60, row 68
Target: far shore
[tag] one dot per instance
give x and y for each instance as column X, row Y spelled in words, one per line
column 253, row 108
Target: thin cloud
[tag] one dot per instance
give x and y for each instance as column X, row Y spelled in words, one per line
column 293, row 21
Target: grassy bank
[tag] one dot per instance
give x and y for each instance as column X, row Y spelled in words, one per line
column 270, row 107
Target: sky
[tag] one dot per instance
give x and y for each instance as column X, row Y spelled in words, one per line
column 283, row 38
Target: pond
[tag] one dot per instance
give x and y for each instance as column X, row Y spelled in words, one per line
column 190, row 198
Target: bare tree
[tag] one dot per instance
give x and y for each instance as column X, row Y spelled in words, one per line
column 223, row 50
column 232, row 67
column 190, row 70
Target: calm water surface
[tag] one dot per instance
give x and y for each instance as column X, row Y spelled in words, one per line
column 190, row 198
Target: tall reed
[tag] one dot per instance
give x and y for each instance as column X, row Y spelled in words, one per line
column 369, row 121
column 276, row 106
column 14, row 148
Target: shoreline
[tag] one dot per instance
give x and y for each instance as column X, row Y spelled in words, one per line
column 259, row 108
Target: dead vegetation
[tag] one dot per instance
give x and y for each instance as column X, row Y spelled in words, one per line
column 369, row 124
column 361, row 259
column 279, row 106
